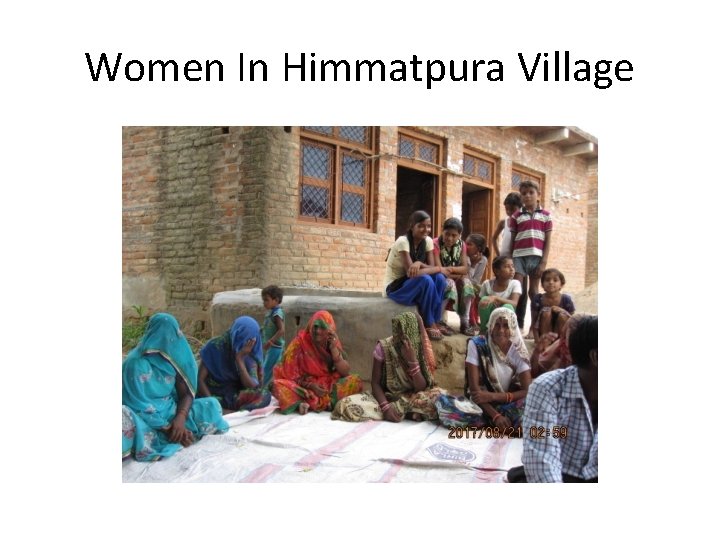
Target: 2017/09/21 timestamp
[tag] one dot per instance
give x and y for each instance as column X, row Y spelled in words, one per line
column 536, row 432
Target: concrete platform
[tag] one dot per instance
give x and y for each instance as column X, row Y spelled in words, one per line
column 361, row 319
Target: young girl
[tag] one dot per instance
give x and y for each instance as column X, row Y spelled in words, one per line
column 512, row 203
column 451, row 253
column 273, row 329
column 502, row 291
column 550, row 311
column 411, row 275
column 477, row 252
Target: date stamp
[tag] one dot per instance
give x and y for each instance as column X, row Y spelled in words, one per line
column 488, row 432
column 494, row 432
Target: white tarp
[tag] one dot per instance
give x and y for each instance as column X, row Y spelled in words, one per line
column 265, row 446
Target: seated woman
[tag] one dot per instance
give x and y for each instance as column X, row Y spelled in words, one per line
column 313, row 373
column 160, row 412
column 451, row 252
column 232, row 367
column 402, row 378
column 551, row 352
column 497, row 377
column 502, row 291
column 411, row 274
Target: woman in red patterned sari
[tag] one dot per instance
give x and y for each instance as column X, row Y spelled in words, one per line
column 313, row 373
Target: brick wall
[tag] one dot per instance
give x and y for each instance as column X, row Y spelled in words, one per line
column 591, row 267
column 207, row 209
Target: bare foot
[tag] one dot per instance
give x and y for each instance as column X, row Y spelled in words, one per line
column 303, row 408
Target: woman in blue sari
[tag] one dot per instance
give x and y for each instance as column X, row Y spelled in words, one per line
column 232, row 367
column 159, row 380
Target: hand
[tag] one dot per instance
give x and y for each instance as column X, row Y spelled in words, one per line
column 266, row 346
column 557, row 309
column 503, row 423
column 407, row 355
column 391, row 415
column 540, row 269
column 446, row 271
column 481, row 396
column 545, row 341
column 414, row 269
column 187, row 438
column 332, row 342
column 248, row 347
column 317, row 390
column 176, row 431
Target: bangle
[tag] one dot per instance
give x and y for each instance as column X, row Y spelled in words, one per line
column 384, row 406
column 495, row 417
column 509, row 397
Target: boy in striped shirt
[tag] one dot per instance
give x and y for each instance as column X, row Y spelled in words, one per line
column 530, row 228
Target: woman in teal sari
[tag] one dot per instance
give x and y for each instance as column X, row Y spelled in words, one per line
column 159, row 380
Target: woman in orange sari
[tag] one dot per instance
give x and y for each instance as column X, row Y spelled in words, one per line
column 313, row 373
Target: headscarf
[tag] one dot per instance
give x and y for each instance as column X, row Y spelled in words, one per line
column 303, row 357
column 489, row 354
column 150, row 370
column 219, row 353
column 407, row 325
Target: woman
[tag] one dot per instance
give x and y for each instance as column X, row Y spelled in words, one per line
column 159, row 378
column 402, row 378
column 497, row 378
column 313, row 373
column 232, row 367
column 551, row 352
column 411, row 274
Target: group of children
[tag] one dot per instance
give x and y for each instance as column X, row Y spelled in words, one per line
column 456, row 267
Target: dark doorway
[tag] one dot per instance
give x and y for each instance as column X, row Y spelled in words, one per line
column 415, row 191
column 477, row 214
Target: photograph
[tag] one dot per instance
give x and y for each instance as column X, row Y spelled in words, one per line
column 410, row 304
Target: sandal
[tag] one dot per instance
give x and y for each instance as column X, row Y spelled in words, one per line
column 468, row 330
column 445, row 329
column 434, row 334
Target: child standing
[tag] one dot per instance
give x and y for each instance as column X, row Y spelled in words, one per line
column 273, row 330
column 512, row 205
column 531, row 227
column 550, row 311
column 451, row 253
column 477, row 252
column 503, row 291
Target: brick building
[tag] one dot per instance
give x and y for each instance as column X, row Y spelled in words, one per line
column 208, row 209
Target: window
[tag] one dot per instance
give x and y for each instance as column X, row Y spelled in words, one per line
column 415, row 148
column 479, row 167
column 335, row 176
column 519, row 176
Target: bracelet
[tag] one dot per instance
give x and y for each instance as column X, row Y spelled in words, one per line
column 509, row 397
column 384, row 406
column 495, row 417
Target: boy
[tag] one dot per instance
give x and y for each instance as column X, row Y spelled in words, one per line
column 273, row 329
column 512, row 204
column 531, row 227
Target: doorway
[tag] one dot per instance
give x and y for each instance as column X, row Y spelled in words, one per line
column 477, row 215
column 415, row 191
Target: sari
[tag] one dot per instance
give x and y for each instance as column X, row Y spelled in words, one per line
column 223, row 381
column 303, row 364
column 461, row 411
column 395, row 382
column 149, row 397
